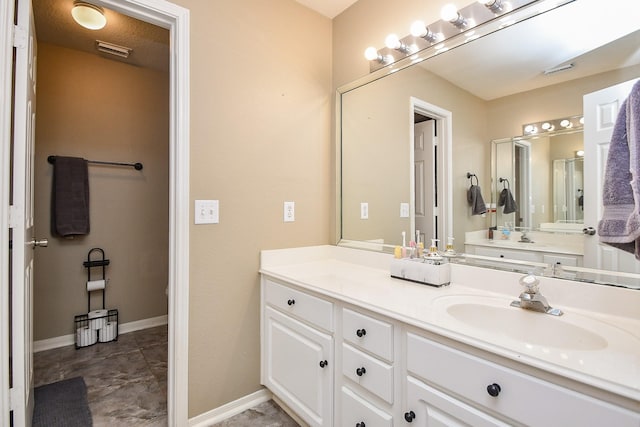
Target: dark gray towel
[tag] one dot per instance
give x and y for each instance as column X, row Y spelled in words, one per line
column 506, row 199
column 474, row 197
column 620, row 224
column 70, row 197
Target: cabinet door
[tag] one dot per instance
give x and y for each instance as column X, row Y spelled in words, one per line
column 427, row 406
column 299, row 367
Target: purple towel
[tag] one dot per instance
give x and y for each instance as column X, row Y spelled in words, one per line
column 70, row 197
column 620, row 224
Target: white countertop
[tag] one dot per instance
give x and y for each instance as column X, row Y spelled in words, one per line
column 362, row 278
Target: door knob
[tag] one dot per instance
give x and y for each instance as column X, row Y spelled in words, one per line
column 43, row 243
column 589, row 231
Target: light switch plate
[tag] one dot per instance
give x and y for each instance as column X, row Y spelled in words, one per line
column 207, row 212
column 404, row 210
column 289, row 211
column 364, row 210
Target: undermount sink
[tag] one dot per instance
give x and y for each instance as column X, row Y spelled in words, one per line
column 495, row 316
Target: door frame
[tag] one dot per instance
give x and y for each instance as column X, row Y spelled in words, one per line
column 176, row 19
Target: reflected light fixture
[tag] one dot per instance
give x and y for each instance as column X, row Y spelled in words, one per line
column 449, row 12
column 563, row 124
column 566, row 123
column 530, row 129
column 88, row 15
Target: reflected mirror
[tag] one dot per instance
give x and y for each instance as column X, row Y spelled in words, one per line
column 489, row 101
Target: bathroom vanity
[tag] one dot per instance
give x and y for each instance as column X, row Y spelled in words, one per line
column 345, row 344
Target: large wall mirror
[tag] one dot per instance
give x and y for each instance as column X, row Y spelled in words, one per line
column 490, row 87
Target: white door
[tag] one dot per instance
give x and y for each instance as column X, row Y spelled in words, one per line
column 425, row 144
column 600, row 113
column 21, row 218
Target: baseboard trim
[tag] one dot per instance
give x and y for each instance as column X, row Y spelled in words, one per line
column 65, row 340
column 230, row 409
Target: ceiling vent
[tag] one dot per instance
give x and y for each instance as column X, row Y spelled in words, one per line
column 558, row 69
column 113, row 49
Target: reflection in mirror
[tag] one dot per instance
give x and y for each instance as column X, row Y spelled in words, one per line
column 489, row 100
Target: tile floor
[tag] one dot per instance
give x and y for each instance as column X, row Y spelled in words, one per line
column 127, row 381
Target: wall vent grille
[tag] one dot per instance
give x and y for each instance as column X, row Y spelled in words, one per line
column 113, row 49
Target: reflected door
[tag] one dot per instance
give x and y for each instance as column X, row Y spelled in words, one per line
column 600, row 113
column 425, row 146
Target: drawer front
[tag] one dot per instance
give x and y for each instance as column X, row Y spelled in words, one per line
column 299, row 304
column 473, row 379
column 371, row 373
column 357, row 412
column 509, row 254
column 368, row 333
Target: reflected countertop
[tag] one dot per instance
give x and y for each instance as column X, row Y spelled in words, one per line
column 362, row 278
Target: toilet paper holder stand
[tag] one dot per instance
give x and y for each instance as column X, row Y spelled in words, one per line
column 98, row 325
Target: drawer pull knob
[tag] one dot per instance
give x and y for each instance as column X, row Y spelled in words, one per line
column 361, row 332
column 361, row 371
column 361, row 424
column 291, row 302
column 494, row 389
column 409, row 416
column 323, row 363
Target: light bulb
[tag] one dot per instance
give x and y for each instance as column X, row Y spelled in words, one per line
column 566, row 124
column 547, row 126
column 392, row 41
column 580, row 153
column 418, row 29
column 449, row 12
column 530, row 129
column 371, row 53
column 581, row 120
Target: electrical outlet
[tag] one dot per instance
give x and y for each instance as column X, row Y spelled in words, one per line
column 404, row 210
column 364, row 210
column 289, row 211
column 207, row 212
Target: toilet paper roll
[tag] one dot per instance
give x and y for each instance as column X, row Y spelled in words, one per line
column 109, row 332
column 86, row 336
column 94, row 285
column 97, row 319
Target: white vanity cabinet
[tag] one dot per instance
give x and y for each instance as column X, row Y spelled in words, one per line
column 368, row 370
column 437, row 372
column 524, row 254
column 297, row 351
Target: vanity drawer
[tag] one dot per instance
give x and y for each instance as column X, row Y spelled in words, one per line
column 371, row 373
column 521, row 397
column 508, row 254
column 299, row 304
column 368, row 333
column 357, row 410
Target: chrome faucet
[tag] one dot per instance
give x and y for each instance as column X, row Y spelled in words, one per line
column 532, row 299
column 524, row 238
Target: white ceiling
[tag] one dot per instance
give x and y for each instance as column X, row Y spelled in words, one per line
column 328, row 8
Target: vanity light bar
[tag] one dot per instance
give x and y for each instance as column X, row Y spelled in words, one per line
column 565, row 123
column 442, row 35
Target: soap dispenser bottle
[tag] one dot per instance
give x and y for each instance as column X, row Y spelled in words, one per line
column 433, row 254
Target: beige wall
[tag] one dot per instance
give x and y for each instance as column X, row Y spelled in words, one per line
column 260, row 119
column 101, row 109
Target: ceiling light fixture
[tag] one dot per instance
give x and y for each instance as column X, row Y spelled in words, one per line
column 88, row 15
column 393, row 42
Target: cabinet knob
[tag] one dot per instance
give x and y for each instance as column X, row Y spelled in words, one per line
column 361, row 371
column 409, row 416
column 291, row 301
column 361, row 424
column 494, row 389
column 323, row 363
column 361, row 332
